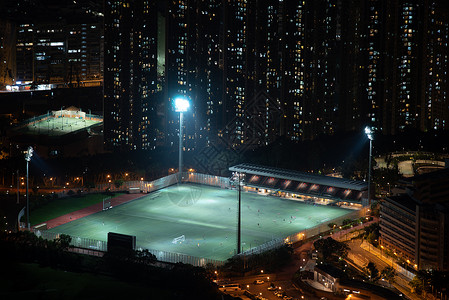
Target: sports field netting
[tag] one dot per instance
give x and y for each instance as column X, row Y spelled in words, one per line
column 206, row 217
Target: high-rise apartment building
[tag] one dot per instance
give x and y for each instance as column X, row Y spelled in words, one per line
column 235, row 26
column 130, row 74
column 434, row 65
column 84, row 51
column 413, row 58
column 59, row 52
column 415, row 224
column 257, row 70
column 7, row 53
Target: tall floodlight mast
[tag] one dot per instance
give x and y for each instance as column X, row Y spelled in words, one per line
column 181, row 106
column 369, row 134
column 28, row 156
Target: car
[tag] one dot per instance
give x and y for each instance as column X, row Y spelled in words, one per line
column 280, row 294
column 258, row 281
column 272, row 288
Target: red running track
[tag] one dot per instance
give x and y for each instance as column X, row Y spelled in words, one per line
column 90, row 210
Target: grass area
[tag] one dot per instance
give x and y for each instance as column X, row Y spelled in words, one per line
column 62, row 206
column 30, row 281
column 206, row 216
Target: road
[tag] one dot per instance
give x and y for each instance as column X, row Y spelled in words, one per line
column 362, row 257
column 283, row 278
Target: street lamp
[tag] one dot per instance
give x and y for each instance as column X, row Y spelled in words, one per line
column 369, row 134
column 28, row 156
column 181, row 106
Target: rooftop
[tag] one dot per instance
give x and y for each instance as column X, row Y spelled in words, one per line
column 300, row 176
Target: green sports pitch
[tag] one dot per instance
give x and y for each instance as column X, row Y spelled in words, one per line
column 207, row 218
column 58, row 126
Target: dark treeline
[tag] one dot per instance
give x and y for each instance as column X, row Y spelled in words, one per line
column 181, row 281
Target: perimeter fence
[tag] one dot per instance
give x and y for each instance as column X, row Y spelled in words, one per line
column 95, row 246
column 302, row 235
column 163, row 182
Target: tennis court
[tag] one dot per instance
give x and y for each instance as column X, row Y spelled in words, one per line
column 206, row 216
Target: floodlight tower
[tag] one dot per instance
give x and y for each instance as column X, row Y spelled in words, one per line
column 181, row 106
column 369, row 134
column 238, row 178
column 28, row 155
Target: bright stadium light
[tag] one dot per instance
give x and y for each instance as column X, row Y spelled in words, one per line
column 28, row 155
column 181, row 106
column 369, row 134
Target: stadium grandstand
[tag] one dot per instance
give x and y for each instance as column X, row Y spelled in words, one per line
column 301, row 186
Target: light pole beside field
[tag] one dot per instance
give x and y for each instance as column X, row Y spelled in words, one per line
column 181, row 106
column 28, row 156
column 369, row 134
column 238, row 177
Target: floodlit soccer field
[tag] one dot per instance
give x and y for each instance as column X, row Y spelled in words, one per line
column 58, row 126
column 206, row 216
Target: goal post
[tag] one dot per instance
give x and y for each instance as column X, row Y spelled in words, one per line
column 179, row 239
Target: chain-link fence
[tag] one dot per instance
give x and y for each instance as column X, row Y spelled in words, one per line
column 96, row 246
column 218, row 181
column 76, row 241
column 172, row 257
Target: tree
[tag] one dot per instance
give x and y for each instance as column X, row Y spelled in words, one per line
column 372, row 233
column 331, row 249
column 118, row 183
column 389, row 274
column 347, row 222
column 145, row 257
column 63, row 241
column 417, row 285
column 372, row 271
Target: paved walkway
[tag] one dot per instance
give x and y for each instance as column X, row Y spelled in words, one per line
column 123, row 198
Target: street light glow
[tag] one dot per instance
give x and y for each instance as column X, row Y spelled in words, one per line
column 369, row 133
column 181, row 104
column 29, row 153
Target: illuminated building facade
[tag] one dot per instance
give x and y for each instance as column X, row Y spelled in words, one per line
column 85, row 51
column 50, row 51
column 415, row 57
column 7, row 53
column 130, row 75
column 59, row 52
column 415, row 224
column 235, row 70
column 257, row 70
